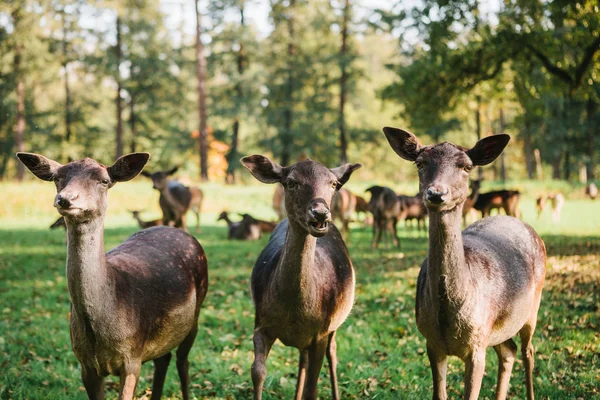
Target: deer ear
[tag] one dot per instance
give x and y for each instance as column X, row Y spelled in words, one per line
column 127, row 167
column 172, row 170
column 488, row 149
column 42, row 167
column 404, row 143
column 343, row 173
column 263, row 169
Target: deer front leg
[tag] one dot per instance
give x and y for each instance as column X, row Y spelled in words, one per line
column 332, row 360
column 439, row 365
column 262, row 346
column 93, row 383
column 528, row 353
column 316, row 353
column 129, row 379
column 302, row 365
column 506, row 358
column 475, row 367
column 183, row 365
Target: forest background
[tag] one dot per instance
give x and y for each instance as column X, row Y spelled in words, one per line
column 200, row 83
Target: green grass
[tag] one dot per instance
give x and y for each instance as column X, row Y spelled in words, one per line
column 381, row 352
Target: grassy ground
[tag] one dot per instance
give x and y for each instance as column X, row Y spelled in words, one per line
column 380, row 350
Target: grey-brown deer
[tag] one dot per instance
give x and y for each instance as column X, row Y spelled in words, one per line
column 139, row 301
column 176, row 198
column 145, row 224
column 478, row 288
column 303, row 280
column 342, row 208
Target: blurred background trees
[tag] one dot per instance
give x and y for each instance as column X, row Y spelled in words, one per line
column 298, row 78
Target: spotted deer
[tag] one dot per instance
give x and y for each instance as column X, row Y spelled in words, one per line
column 303, row 280
column 139, row 301
column 479, row 287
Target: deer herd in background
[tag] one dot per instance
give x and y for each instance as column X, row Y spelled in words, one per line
column 477, row 288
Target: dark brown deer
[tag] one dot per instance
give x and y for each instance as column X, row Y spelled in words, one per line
column 135, row 303
column 470, row 201
column 303, row 280
column 175, row 198
column 342, row 208
column 385, row 207
column 362, row 206
column 265, row 226
column 478, row 288
column 411, row 207
column 241, row 230
column 145, row 224
column 508, row 200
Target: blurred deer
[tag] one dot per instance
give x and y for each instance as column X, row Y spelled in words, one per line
column 557, row 200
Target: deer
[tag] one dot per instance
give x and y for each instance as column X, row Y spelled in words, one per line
column 175, row 198
column 241, row 230
column 591, row 191
column 385, row 207
column 470, row 201
column 362, row 206
column 505, row 199
column 145, row 224
column 342, row 208
column 139, row 301
column 557, row 200
column 411, row 207
column 59, row 223
column 303, row 280
column 265, row 226
column 477, row 288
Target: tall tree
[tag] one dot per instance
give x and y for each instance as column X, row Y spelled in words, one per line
column 201, row 77
column 118, row 99
column 17, row 17
column 344, row 82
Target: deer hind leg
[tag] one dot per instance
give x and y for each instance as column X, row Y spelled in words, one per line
column 475, row 367
column 394, row 231
column 316, row 354
column 130, row 374
column 302, row 365
column 94, row 383
column 527, row 351
column 183, row 365
column 262, row 347
column 161, row 364
column 506, row 358
column 331, row 354
column 439, row 366
column 376, row 232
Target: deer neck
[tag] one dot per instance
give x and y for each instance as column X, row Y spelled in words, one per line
column 168, row 195
column 447, row 273
column 294, row 273
column 87, row 273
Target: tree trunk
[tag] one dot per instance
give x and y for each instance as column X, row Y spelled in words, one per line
column 343, row 83
column 567, row 165
column 201, row 77
column 68, row 120
column 118, row 101
column 232, row 158
column 591, row 131
column 132, row 121
column 539, row 171
column 556, row 167
column 501, row 127
column 528, row 149
column 478, row 128
column 287, row 137
column 20, row 115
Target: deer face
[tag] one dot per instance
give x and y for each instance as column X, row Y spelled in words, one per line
column 82, row 185
column 309, row 188
column 160, row 178
column 444, row 168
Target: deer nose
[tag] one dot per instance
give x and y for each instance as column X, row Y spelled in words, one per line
column 320, row 212
column 435, row 194
column 64, row 200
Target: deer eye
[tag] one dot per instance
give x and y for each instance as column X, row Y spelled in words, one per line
column 420, row 164
column 292, row 184
column 468, row 167
column 105, row 181
column 334, row 185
